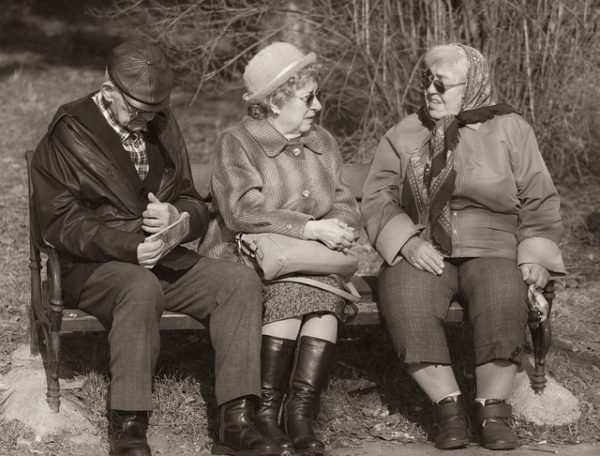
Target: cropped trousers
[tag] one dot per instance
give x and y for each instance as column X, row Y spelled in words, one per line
column 129, row 300
column 414, row 305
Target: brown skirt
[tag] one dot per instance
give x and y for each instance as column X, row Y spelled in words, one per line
column 287, row 300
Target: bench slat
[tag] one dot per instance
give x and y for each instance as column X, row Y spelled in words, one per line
column 75, row 320
column 201, row 175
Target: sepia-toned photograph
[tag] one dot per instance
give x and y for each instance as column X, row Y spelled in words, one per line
column 299, row 227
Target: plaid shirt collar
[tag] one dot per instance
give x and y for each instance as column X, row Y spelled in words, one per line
column 104, row 106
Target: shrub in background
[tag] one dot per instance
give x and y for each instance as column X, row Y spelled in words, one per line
column 544, row 55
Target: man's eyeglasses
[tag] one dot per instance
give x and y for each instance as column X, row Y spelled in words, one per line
column 134, row 112
column 310, row 97
column 427, row 78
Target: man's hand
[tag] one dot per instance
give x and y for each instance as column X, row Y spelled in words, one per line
column 535, row 274
column 334, row 233
column 158, row 215
column 148, row 253
column 423, row 255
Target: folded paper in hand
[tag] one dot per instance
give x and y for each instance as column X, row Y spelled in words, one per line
column 173, row 234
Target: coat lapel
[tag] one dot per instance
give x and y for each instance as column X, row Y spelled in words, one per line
column 110, row 145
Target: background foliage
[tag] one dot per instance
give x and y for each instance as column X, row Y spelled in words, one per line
column 544, row 55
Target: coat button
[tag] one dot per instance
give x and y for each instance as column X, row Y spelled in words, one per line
column 306, row 193
column 296, row 151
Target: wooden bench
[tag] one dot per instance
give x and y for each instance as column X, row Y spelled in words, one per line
column 49, row 319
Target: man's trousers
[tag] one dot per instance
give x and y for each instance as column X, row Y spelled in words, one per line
column 130, row 299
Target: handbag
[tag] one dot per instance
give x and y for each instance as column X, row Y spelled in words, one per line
column 277, row 256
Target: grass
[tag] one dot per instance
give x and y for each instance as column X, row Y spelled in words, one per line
column 370, row 396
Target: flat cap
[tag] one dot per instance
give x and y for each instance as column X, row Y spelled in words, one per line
column 141, row 72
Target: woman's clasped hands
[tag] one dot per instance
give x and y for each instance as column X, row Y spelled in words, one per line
column 334, row 233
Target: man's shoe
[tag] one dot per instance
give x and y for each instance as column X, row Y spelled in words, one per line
column 238, row 435
column 449, row 419
column 128, row 433
column 493, row 419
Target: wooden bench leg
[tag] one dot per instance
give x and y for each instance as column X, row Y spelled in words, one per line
column 53, row 348
column 35, row 267
column 34, row 332
column 541, row 338
column 53, row 352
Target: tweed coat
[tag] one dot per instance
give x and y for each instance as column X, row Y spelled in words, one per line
column 264, row 183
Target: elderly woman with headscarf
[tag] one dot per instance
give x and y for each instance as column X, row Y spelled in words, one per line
column 276, row 171
column 460, row 205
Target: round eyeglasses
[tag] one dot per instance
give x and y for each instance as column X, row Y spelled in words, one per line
column 309, row 98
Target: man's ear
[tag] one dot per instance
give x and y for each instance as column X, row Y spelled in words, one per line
column 108, row 91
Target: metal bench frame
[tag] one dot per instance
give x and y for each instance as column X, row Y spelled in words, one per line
column 48, row 318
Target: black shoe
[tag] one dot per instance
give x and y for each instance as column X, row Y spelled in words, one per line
column 237, row 432
column 276, row 362
column 128, row 433
column 449, row 419
column 493, row 418
column 309, row 375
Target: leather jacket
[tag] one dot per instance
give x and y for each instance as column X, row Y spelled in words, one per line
column 89, row 198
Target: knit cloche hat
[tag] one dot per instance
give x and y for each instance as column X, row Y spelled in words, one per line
column 271, row 67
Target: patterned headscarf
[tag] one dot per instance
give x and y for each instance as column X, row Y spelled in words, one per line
column 430, row 177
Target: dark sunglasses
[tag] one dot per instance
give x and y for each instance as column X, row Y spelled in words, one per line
column 310, row 98
column 427, row 78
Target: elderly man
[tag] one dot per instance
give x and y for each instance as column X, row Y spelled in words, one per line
column 112, row 169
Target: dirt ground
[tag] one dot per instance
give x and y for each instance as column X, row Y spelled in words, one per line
column 384, row 449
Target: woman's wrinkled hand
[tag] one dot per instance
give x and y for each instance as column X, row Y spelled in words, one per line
column 535, row 274
column 148, row 253
column 423, row 255
column 334, row 233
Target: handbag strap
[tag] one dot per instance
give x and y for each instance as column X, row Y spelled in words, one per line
column 352, row 295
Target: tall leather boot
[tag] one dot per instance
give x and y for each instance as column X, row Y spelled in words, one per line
column 309, row 375
column 238, row 435
column 449, row 419
column 493, row 418
column 128, row 433
column 277, row 356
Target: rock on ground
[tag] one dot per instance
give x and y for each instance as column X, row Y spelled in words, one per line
column 555, row 406
column 23, row 398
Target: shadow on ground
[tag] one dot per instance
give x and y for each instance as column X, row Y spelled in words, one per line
column 365, row 356
column 367, row 379
column 184, row 399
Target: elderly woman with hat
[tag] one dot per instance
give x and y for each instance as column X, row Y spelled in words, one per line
column 277, row 171
column 460, row 205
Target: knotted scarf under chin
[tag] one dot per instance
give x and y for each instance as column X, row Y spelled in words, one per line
column 430, row 176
